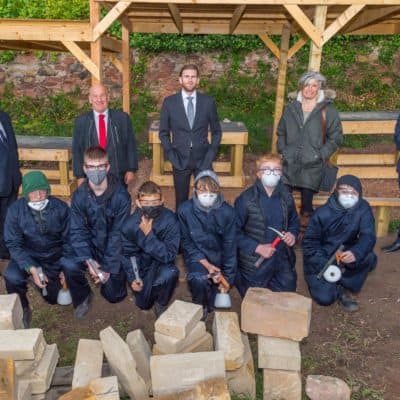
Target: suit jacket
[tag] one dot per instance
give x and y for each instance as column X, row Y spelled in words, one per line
column 397, row 141
column 10, row 175
column 121, row 144
column 177, row 137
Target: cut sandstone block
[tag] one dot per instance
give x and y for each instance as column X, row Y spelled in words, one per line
column 179, row 319
column 23, row 390
column 10, row 312
column 227, row 338
column 40, row 378
column 242, row 381
column 320, row 387
column 205, row 343
column 123, row 364
column 88, row 362
column 173, row 373
column 141, row 353
column 105, row 388
column 26, row 367
column 284, row 315
column 170, row 345
column 275, row 353
column 22, row 344
column 282, row 385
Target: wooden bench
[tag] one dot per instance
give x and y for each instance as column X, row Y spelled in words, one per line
column 53, row 150
column 234, row 134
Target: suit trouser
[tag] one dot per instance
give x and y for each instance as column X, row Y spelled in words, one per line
column 5, row 202
column 17, row 282
column 114, row 290
column 158, row 288
column 353, row 278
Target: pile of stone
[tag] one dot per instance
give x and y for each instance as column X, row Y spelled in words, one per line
column 180, row 330
column 34, row 360
column 281, row 320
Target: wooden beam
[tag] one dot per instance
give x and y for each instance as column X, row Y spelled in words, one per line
column 83, row 58
column 314, row 61
column 280, row 87
column 117, row 63
column 176, row 16
column 123, row 19
column 112, row 16
column 126, row 71
column 95, row 47
column 111, row 44
column 8, row 389
column 270, row 44
column 312, row 32
column 341, row 21
column 297, row 46
column 237, row 14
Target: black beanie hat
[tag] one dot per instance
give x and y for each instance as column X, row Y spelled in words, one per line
column 350, row 180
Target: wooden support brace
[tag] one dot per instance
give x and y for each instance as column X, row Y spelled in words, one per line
column 237, row 15
column 176, row 16
column 270, row 44
column 296, row 47
column 117, row 63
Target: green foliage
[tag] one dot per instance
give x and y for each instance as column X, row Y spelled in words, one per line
column 394, row 225
column 6, row 56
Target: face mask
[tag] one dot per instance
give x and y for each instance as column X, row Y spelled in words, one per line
column 38, row 205
column 96, row 176
column 347, row 200
column 270, row 180
column 207, row 199
column 152, row 212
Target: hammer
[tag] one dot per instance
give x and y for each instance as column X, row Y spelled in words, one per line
column 273, row 244
column 330, row 261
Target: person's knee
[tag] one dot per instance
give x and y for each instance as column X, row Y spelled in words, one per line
column 197, row 282
column 14, row 276
column 322, row 297
column 71, row 268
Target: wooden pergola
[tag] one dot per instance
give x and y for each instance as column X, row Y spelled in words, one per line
column 316, row 21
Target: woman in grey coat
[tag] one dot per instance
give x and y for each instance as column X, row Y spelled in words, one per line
column 301, row 141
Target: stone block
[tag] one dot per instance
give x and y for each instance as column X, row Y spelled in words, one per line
column 21, row 344
column 23, row 391
column 179, row 319
column 228, row 339
column 173, row 373
column 242, row 381
column 281, row 385
column 284, row 315
column 205, row 343
column 169, row 344
column 320, row 387
column 141, row 352
column 40, row 378
column 123, row 364
column 105, row 388
column 25, row 367
column 10, row 312
column 276, row 353
column 88, row 362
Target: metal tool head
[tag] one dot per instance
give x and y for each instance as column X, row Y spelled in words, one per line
column 280, row 234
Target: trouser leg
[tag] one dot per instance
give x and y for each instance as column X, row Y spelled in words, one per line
column 181, row 185
column 17, row 282
column 307, row 196
column 78, row 285
column 323, row 292
column 5, row 202
column 114, row 290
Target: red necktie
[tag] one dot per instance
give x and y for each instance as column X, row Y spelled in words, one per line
column 102, row 132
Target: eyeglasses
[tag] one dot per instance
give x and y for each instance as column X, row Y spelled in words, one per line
column 271, row 171
column 96, row 167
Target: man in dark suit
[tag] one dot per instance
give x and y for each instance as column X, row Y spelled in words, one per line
column 110, row 129
column 185, row 120
column 10, row 175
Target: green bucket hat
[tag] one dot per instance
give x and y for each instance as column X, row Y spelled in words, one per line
column 34, row 180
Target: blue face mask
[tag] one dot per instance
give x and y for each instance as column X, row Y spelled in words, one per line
column 96, row 176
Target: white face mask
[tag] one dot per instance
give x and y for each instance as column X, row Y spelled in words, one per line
column 207, row 199
column 38, row 205
column 347, row 200
column 270, row 180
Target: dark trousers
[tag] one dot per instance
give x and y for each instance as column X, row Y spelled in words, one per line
column 182, row 184
column 158, row 289
column 353, row 278
column 5, row 202
column 307, row 196
column 114, row 290
column 17, row 282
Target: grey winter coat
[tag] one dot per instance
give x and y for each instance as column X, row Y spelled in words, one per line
column 301, row 143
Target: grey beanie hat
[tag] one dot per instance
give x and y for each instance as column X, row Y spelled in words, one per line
column 207, row 172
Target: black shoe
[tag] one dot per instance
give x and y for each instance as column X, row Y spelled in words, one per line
column 159, row 309
column 27, row 317
column 348, row 303
column 84, row 307
column 393, row 247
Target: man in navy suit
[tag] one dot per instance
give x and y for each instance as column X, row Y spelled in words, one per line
column 185, row 120
column 10, row 175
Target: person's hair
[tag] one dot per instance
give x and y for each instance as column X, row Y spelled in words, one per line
column 193, row 67
column 268, row 157
column 309, row 75
column 148, row 188
column 95, row 153
column 207, row 183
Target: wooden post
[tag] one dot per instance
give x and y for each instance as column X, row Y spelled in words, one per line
column 126, row 70
column 314, row 62
column 280, row 87
column 95, row 47
column 8, row 388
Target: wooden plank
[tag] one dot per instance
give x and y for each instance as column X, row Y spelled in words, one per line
column 96, row 54
column 296, row 47
column 176, row 16
column 26, row 154
column 157, row 159
column 314, row 61
column 225, row 181
column 63, row 168
column 63, row 190
column 270, row 44
column 341, row 21
column 368, row 127
column 8, row 389
column 126, row 71
column 373, row 201
column 366, row 159
column 365, row 172
column 111, row 44
column 237, row 15
column 382, row 221
column 218, row 166
column 237, row 165
column 51, row 174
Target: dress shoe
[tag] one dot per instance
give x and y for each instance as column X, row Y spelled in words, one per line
column 84, row 307
column 26, row 317
column 348, row 303
column 393, row 247
column 159, row 309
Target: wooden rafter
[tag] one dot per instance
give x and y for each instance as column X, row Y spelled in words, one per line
column 296, row 47
column 270, row 44
column 176, row 16
column 123, row 19
column 237, row 14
